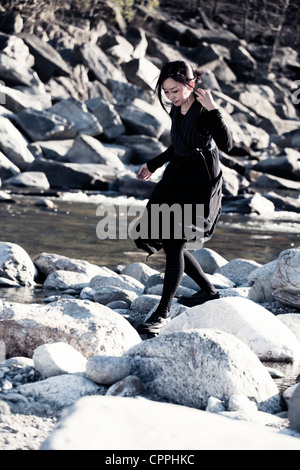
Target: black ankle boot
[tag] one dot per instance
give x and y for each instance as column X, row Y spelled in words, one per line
column 198, row 298
column 154, row 323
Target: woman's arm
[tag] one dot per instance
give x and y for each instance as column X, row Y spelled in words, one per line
column 160, row 160
column 148, row 168
column 218, row 130
column 213, row 121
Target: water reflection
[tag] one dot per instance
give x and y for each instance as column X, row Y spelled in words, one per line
column 70, row 230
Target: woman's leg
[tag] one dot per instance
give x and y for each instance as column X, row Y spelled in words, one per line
column 173, row 274
column 207, row 290
column 193, row 269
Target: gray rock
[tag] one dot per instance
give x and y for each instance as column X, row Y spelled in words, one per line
column 259, row 137
column 287, row 167
column 140, row 148
column 51, row 149
column 130, row 386
column 46, row 263
column 181, row 290
column 257, row 99
column 241, row 61
column 107, row 370
column 82, row 121
column 268, row 338
column 75, row 175
column 260, row 282
column 87, row 294
column 218, row 280
column 215, row 405
column 274, row 182
column 284, row 203
column 142, row 306
column 88, row 327
column 209, row 259
column 256, row 204
column 110, row 422
column 48, row 61
column 14, row 145
column 286, row 278
column 118, row 305
column 143, row 118
column 139, row 271
column 235, row 292
column 109, row 294
column 7, row 168
column 43, row 125
column 153, row 281
column 14, row 47
column 292, row 321
column 123, row 281
column 11, row 22
column 87, row 149
column 60, row 391
column 238, row 270
column 137, row 37
column 231, row 181
column 29, row 179
column 141, row 72
column 218, row 35
column 118, row 47
column 15, row 264
column 107, row 116
column 162, row 52
column 294, row 409
column 14, row 72
column 4, row 197
column 187, row 367
column 16, row 100
column 2, row 348
column 102, row 66
column 66, row 279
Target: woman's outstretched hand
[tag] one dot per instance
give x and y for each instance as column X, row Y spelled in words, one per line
column 204, row 97
column 144, row 174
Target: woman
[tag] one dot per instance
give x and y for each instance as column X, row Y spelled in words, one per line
column 191, row 179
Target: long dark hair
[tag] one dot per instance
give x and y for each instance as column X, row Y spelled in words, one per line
column 180, row 71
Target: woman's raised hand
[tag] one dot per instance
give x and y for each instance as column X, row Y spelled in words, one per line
column 144, row 174
column 204, row 97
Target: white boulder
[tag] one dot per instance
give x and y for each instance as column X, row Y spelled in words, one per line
column 188, row 367
column 256, row 326
column 88, row 327
column 15, row 264
column 57, row 359
column 109, row 423
column 60, row 391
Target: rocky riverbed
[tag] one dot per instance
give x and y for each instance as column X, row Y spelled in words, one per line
column 78, row 114
column 70, row 359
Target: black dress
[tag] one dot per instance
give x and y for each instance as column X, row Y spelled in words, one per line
column 193, row 176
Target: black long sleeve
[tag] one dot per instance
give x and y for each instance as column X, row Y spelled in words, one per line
column 160, row 160
column 216, row 127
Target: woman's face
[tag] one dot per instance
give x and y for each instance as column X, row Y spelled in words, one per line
column 176, row 92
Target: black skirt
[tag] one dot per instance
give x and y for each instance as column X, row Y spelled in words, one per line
column 185, row 204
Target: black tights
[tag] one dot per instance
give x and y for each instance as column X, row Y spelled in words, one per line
column 178, row 261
